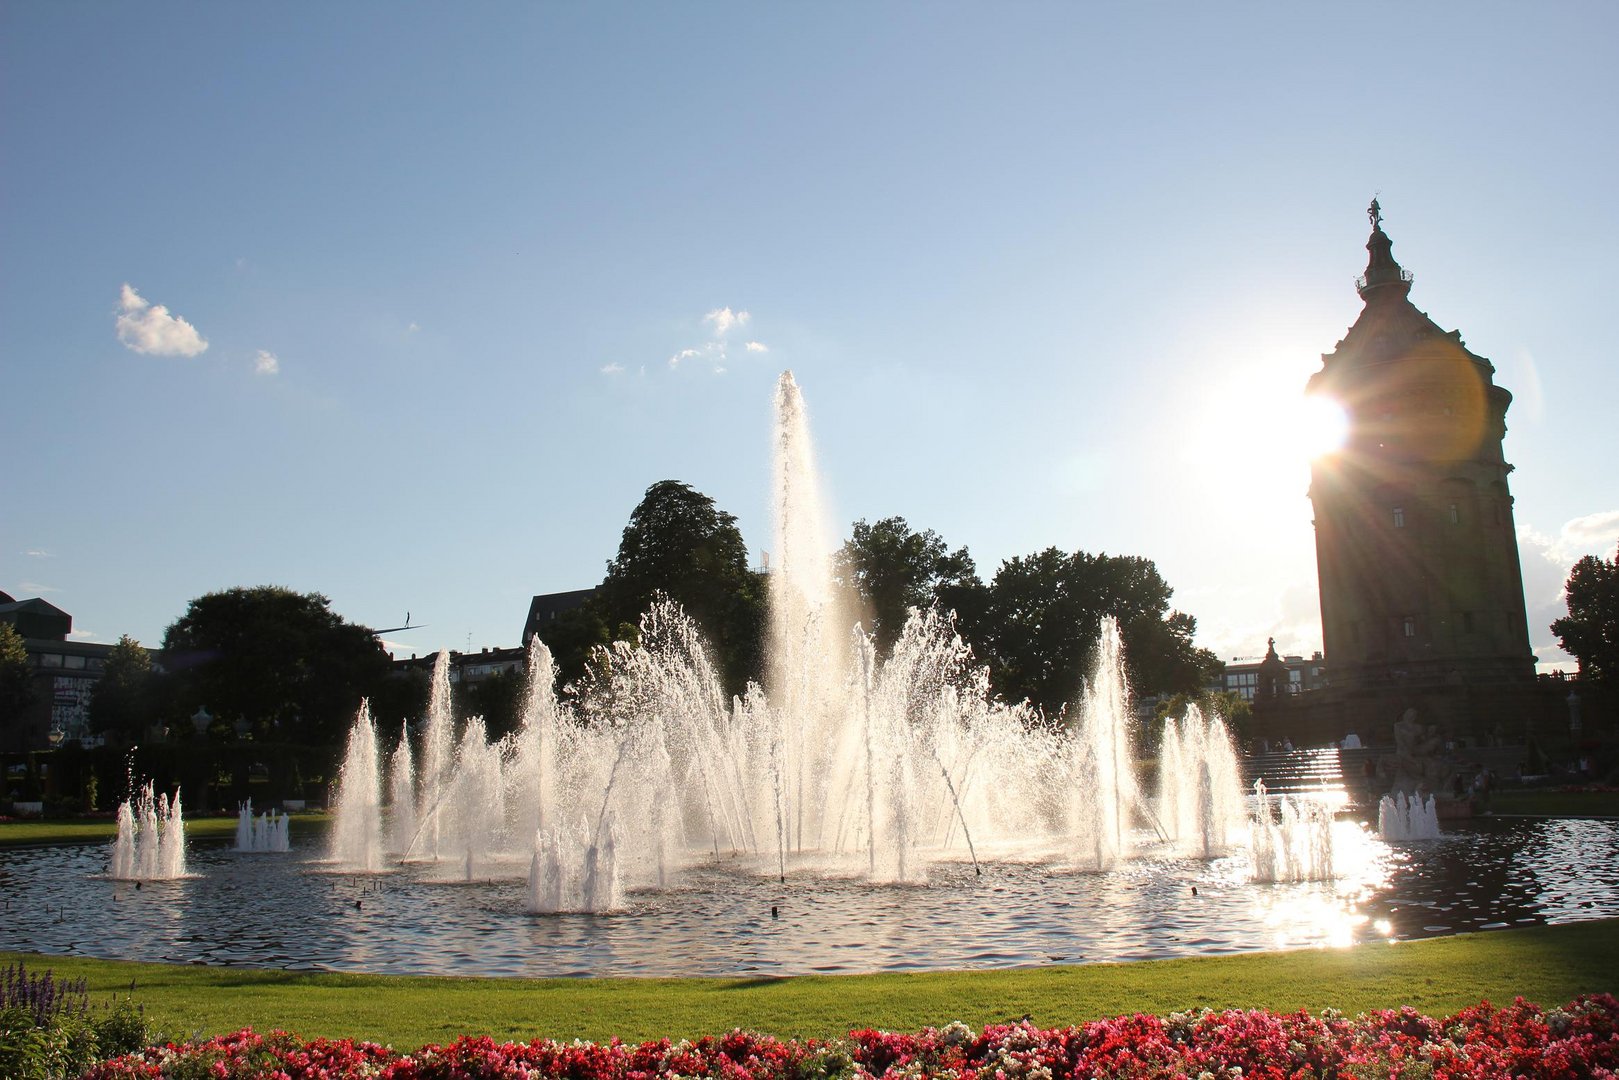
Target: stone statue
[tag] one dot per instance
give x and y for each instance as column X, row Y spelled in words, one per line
column 1416, row 765
column 1375, row 212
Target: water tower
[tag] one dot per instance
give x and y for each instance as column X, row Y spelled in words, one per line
column 1421, row 590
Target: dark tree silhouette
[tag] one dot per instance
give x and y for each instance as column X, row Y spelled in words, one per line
column 1590, row 630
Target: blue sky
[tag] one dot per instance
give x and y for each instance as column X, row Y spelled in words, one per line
column 1048, row 275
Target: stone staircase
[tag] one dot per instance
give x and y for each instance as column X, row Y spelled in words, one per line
column 1302, row 771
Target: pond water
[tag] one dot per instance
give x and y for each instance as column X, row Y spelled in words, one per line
column 282, row 911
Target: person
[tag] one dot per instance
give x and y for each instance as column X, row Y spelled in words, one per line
column 1287, row 745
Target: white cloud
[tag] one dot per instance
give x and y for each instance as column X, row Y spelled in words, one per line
column 757, row 346
column 1546, row 561
column 39, row 553
column 612, row 369
column 36, row 587
column 683, row 354
column 265, row 363
column 413, row 329
column 724, row 319
column 150, row 330
column 88, row 634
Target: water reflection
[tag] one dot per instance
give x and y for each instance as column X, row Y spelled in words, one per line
column 279, row 911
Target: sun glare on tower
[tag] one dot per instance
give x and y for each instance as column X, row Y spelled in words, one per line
column 1323, row 426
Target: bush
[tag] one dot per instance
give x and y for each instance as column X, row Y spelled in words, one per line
column 48, row 1030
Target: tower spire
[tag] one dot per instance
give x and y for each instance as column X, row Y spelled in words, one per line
column 1381, row 269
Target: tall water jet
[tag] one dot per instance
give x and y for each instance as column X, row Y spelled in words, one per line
column 1407, row 816
column 438, row 739
column 807, row 655
column 270, row 831
column 1199, row 785
column 1108, row 759
column 151, row 838
column 357, row 830
column 401, row 796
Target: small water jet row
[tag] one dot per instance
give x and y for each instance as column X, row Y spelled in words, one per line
column 151, row 843
column 270, row 831
column 1291, row 843
column 1407, row 816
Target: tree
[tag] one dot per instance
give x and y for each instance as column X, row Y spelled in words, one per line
column 1590, row 630
column 16, row 676
column 280, row 660
column 679, row 544
column 1039, row 628
column 893, row 568
column 573, row 635
column 121, row 703
column 499, row 699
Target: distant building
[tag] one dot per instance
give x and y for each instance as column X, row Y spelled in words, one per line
column 547, row 606
column 64, row 674
column 1244, row 674
column 469, row 667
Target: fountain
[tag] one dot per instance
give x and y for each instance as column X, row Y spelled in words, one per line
column 151, row 843
column 845, row 764
column 269, row 831
column 1407, row 816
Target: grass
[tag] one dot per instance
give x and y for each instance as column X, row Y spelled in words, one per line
column 1547, row 964
column 1549, row 802
column 93, row 830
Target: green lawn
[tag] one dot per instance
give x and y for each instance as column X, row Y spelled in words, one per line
column 1549, row 803
column 1549, row 964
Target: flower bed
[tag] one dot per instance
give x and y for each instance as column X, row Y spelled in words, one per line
column 1521, row 1040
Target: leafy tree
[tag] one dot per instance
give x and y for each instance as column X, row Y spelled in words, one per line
column 679, row 544
column 399, row 698
column 893, row 568
column 1590, row 630
column 122, row 703
column 574, row 634
column 16, row 676
column 1039, row 627
column 281, row 660
column 498, row 699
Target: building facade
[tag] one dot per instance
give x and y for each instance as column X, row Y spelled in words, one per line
column 64, row 673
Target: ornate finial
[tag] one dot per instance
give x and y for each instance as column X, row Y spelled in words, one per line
column 1375, row 212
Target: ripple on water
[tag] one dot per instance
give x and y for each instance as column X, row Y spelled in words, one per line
column 280, row 912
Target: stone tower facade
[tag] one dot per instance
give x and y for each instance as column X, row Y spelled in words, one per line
column 1421, row 589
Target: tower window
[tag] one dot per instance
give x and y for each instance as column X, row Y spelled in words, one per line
column 1410, row 626
column 1399, row 517
column 1455, row 514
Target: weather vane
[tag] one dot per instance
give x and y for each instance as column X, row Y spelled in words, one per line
column 1375, row 212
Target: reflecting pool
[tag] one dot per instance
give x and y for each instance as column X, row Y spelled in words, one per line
column 736, row 919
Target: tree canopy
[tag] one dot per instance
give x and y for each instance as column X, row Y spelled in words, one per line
column 680, row 545
column 892, row 568
column 1040, row 624
column 16, row 675
column 122, row 703
column 282, row 661
column 1590, row 630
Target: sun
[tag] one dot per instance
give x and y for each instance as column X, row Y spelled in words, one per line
column 1322, row 427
